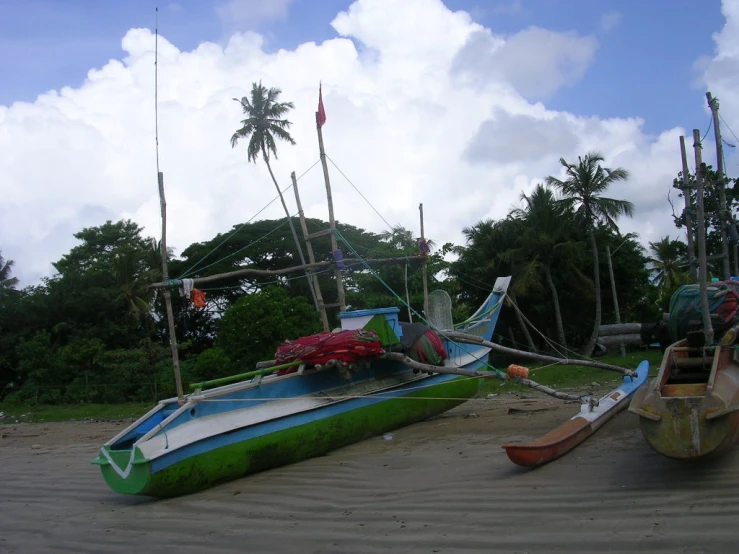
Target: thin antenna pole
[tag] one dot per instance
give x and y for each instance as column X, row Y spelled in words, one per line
column 163, row 205
column 156, row 83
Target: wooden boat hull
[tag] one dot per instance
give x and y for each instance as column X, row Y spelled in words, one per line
column 577, row 429
column 228, row 456
column 691, row 420
column 235, row 430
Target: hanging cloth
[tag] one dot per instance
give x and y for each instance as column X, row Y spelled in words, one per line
column 197, row 297
column 186, row 288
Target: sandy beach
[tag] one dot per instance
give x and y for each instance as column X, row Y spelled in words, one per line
column 444, row 485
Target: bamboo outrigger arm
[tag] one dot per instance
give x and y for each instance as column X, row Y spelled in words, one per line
column 397, row 356
column 473, row 339
column 248, row 272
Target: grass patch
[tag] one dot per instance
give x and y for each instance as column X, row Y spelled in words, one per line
column 71, row 412
column 574, row 376
column 566, row 377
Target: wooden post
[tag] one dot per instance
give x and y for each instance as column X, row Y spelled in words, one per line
column 318, row 297
column 425, row 277
column 615, row 297
column 724, row 215
column 167, row 295
column 688, row 208
column 408, row 296
column 702, row 264
column 331, row 220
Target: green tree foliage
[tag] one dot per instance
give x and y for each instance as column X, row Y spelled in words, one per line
column 713, row 216
column 263, row 245
column 583, row 189
column 522, row 244
column 547, row 240
column 669, row 263
column 252, row 329
column 95, row 331
column 7, row 282
column 482, row 260
column 10, row 319
column 101, row 287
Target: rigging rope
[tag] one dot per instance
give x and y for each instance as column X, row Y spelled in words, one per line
column 390, row 227
column 410, row 308
column 193, row 267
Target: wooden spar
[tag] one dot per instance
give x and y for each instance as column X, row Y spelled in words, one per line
column 619, row 329
column 687, row 211
column 167, row 295
column 425, row 280
column 713, row 105
column 473, row 339
column 331, row 221
column 612, row 340
column 703, row 269
column 408, row 296
column 447, row 370
column 246, row 272
column 311, row 257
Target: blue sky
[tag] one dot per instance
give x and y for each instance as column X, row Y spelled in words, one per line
column 643, row 67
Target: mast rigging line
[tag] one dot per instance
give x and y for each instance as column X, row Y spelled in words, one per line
column 288, row 187
column 390, row 227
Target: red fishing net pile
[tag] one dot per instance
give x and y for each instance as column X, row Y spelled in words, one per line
column 346, row 346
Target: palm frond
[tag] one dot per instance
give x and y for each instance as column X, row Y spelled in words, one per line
column 264, row 122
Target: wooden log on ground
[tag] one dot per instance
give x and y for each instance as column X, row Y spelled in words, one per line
column 619, row 329
column 611, row 340
column 472, row 339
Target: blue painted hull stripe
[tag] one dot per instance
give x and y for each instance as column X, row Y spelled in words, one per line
column 281, row 424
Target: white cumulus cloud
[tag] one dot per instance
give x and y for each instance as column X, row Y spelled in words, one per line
column 423, row 105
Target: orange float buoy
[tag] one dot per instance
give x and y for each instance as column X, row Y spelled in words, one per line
column 518, row 371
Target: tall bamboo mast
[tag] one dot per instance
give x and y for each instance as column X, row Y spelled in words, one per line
column 331, row 221
column 702, row 264
column 163, row 205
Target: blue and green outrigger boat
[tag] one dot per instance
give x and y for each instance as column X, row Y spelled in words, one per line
column 268, row 418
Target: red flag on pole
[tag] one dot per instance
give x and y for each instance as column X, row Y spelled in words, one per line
column 321, row 111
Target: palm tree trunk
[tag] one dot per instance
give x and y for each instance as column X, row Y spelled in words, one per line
column 590, row 346
column 522, row 323
column 292, row 228
column 557, row 311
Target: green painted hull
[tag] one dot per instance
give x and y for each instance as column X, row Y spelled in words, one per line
column 286, row 446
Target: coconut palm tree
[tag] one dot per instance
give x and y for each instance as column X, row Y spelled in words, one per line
column 668, row 260
column 582, row 190
column 544, row 240
column 6, row 281
column 403, row 239
column 263, row 126
column 486, row 240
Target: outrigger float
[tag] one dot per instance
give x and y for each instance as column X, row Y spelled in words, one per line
column 591, row 417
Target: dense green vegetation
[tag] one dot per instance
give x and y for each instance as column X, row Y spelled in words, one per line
column 95, row 331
